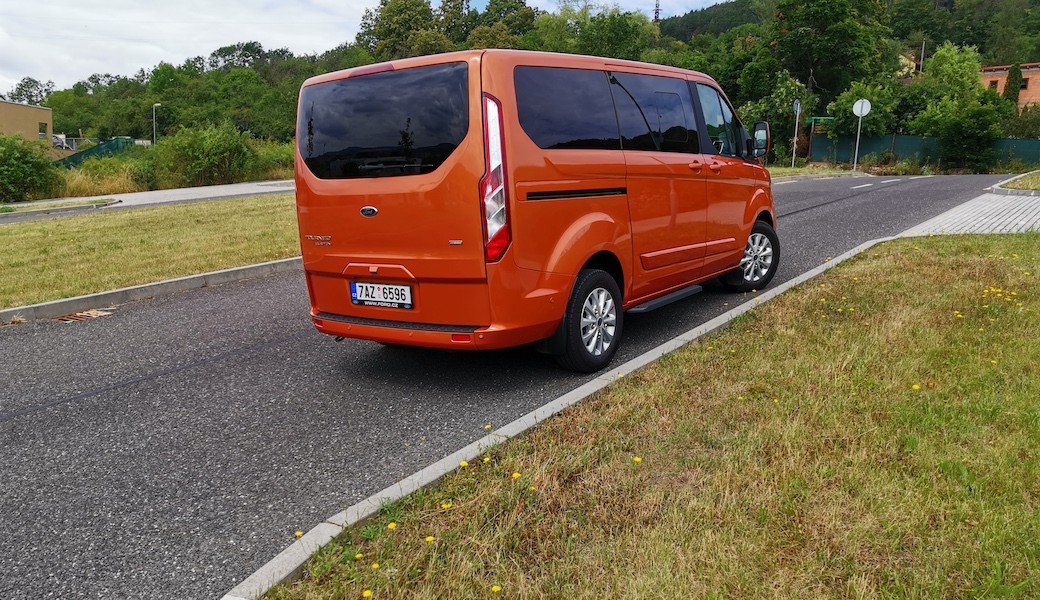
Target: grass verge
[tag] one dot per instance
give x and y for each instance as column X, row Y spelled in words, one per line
column 777, row 171
column 59, row 258
column 874, row 433
column 1027, row 182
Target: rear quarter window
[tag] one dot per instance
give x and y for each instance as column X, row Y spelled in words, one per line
column 566, row 108
column 385, row 124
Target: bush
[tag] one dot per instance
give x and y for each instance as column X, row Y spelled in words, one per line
column 208, row 156
column 26, row 171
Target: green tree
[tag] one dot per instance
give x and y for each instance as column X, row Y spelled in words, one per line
column 496, row 36
column 616, row 34
column 828, row 44
column 880, row 120
column 514, row 14
column 428, row 41
column 455, row 19
column 386, row 31
column 778, row 109
column 31, row 91
column 1013, row 85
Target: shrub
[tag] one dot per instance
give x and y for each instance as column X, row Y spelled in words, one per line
column 26, row 171
column 208, row 156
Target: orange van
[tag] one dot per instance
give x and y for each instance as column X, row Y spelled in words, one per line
column 493, row 198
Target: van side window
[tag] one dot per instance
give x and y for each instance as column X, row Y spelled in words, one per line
column 722, row 125
column 654, row 113
column 566, row 108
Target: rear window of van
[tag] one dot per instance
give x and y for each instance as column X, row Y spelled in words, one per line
column 393, row 123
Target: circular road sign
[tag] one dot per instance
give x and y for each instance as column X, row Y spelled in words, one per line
column 797, row 106
column 861, row 108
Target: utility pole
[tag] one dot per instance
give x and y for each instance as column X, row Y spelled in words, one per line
column 922, row 56
column 657, row 11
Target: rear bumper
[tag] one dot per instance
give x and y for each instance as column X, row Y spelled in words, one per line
column 454, row 337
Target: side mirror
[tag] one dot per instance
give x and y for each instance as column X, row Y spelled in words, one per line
column 761, row 139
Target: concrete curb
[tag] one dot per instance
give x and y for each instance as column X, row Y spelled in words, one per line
column 66, row 306
column 1003, row 191
column 51, row 211
column 288, row 565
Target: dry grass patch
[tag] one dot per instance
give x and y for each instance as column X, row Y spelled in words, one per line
column 1026, row 182
column 70, row 256
column 779, row 171
column 873, row 433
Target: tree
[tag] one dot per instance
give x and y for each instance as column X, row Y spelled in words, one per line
column 880, row 120
column 428, row 41
column 515, row 14
column 386, row 30
column 828, row 44
column 1013, row 85
column 778, row 109
column 616, row 34
column 496, row 36
column 455, row 19
column 31, row 91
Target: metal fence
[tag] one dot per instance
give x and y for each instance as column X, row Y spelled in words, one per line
column 910, row 147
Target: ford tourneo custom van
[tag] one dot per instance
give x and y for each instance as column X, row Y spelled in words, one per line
column 492, row 198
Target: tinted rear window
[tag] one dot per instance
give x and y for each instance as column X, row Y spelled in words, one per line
column 566, row 108
column 403, row 122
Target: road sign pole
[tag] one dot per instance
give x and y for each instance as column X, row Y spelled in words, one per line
column 794, row 141
column 855, row 158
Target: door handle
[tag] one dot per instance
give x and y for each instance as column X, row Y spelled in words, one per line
column 696, row 166
column 715, row 166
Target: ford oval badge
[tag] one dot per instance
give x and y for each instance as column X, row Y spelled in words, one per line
column 369, row 211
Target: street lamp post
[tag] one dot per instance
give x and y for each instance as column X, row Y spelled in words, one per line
column 154, row 106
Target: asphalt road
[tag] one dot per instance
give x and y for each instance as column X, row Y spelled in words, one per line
column 169, row 450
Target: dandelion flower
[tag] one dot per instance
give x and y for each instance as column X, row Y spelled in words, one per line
column 299, row 534
column 496, row 589
column 375, row 566
column 531, row 488
column 429, row 539
column 993, row 362
column 464, row 464
column 516, row 475
column 488, row 426
column 359, row 556
column 487, row 459
column 391, row 525
column 366, row 594
column 445, row 505
column 637, row 459
column 915, row 387
column 740, row 397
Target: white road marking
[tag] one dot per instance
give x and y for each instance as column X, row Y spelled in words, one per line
column 856, row 187
column 922, row 176
column 891, row 180
column 782, row 182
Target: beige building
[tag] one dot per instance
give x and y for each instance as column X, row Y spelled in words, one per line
column 995, row 77
column 30, row 122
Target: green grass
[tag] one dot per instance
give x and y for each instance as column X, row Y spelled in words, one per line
column 873, row 433
column 1027, row 182
column 69, row 256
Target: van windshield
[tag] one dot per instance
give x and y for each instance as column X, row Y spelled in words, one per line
column 385, row 124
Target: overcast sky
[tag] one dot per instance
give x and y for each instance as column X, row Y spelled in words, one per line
column 66, row 41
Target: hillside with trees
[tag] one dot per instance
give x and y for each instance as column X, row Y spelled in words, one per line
column 765, row 53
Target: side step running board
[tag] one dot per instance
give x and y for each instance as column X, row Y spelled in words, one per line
column 665, row 300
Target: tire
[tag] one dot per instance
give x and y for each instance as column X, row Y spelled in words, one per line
column 761, row 258
column 590, row 343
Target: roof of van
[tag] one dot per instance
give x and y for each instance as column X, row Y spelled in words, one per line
column 464, row 55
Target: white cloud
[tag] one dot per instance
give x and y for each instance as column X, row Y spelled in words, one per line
column 66, row 41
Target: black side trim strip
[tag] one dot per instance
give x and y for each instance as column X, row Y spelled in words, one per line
column 566, row 194
column 397, row 324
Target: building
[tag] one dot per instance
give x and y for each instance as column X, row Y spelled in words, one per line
column 996, row 77
column 30, row 122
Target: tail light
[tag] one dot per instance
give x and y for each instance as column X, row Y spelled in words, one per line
column 493, row 185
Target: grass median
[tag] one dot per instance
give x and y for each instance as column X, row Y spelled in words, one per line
column 69, row 256
column 873, row 433
column 1030, row 181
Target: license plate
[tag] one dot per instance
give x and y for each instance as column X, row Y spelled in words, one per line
column 381, row 294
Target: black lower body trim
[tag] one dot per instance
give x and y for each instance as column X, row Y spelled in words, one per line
column 567, row 194
column 397, row 324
